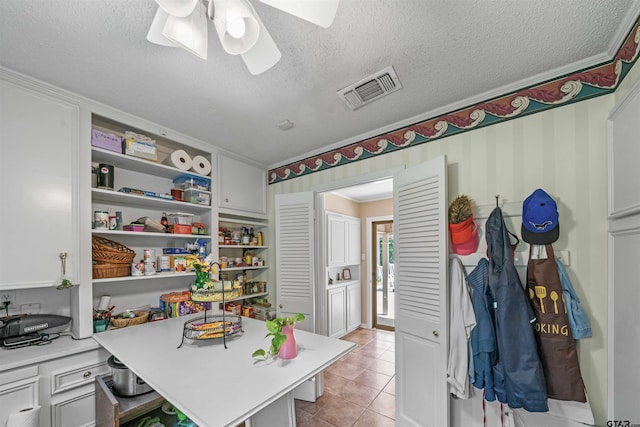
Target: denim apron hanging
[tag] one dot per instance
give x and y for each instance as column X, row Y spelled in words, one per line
column 555, row 343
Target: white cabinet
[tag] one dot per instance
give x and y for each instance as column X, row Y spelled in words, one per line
column 241, row 186
column 343, row 240
column 38, row 178
column 67, row 394
column 353, row 306
column 336, row 303
column 343, row 303
column 352, row 241
column 18, row 391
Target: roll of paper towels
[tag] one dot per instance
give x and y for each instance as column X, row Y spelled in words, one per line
column 180, row 159
column 105, row 300
column 201, row 165
column 25, row 418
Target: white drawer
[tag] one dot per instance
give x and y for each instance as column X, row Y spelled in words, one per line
column 69, row 378
column 18, row 374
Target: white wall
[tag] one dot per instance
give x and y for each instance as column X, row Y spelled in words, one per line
column 564, row 151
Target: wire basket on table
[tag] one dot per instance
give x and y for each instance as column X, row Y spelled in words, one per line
column 212, row 327
column 105, row 251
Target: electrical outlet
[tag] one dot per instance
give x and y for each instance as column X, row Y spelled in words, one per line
column 8, row 296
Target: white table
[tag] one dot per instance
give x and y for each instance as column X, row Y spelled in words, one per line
column 215, row 386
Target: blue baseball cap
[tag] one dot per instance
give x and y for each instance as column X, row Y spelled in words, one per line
column 540, row 219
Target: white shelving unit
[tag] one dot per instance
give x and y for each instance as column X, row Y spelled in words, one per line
column 142, row 174
column 232, row 252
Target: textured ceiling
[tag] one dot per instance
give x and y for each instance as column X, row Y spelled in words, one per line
column 447, row 54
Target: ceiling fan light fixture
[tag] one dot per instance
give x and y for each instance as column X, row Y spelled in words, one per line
column 155, row 31
column 264, row 55
column 178, row 8
column 190, row 32
column 236, row 25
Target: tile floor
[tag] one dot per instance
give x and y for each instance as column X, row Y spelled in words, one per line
column 359, row 389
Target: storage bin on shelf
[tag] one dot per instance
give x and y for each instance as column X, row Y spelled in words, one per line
column 188, row 181
column 111, row 259
column 197, row 197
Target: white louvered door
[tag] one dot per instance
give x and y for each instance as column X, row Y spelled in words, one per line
column 420, row 216
column 295, row 256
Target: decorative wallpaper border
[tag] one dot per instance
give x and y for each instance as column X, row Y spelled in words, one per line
column 589, row 83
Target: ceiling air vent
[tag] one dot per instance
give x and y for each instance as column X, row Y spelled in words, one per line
column 370, row 88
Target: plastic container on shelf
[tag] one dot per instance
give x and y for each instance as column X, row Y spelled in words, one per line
column 180, row 218
column 182, row 229
column 197, row 197
column 187, row 181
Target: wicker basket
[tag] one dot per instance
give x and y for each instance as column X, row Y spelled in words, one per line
column 119, row 322
column 105, row 271
column 105, row 251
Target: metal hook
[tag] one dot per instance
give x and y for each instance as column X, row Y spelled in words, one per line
column 497, row 200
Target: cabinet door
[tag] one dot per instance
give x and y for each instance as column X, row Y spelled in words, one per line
column 38, row 170
column 74, row 409
column 241, row 186
column 353, row 306
column 336, row 240
column 337, row 312
column 352, row 241
column 18, row 391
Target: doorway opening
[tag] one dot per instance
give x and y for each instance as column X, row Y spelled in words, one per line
column 383, row 275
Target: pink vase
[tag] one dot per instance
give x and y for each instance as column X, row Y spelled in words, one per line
column 288, row 350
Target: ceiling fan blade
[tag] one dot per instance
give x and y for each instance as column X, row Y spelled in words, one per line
column 319, row 12
column 178, row 8
column 190, row 33
column 264, row 54
column 155, row 31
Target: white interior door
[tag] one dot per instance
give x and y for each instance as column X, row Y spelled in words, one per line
column 421, row 279
column 295, row 256
column 623, row 267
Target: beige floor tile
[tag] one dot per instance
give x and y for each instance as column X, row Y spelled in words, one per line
column 370, row 350
column 373, row 379
column 383, row 367
column 359, row 389
column 390, row 387
column 306, row 419
column 334, row 383
column 389, row 355
column 373, row 419
column 345, row 370
column 384, row 404
column 359, row 359
column 340, row 413
column 357, row 393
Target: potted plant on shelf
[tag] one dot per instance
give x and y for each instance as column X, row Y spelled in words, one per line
column 283, row 342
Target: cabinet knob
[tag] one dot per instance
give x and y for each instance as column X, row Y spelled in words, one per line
column 87, row 374
column 226, row 200
column 436, row 334
column 280, row 305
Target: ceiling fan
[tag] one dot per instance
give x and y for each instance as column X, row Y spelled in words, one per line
column 241, row 32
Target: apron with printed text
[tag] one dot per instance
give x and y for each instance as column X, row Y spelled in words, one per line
column 555, row 342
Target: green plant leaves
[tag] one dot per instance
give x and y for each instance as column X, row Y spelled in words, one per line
column 274, row 328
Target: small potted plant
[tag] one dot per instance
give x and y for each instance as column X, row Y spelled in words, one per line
column 283, row 342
